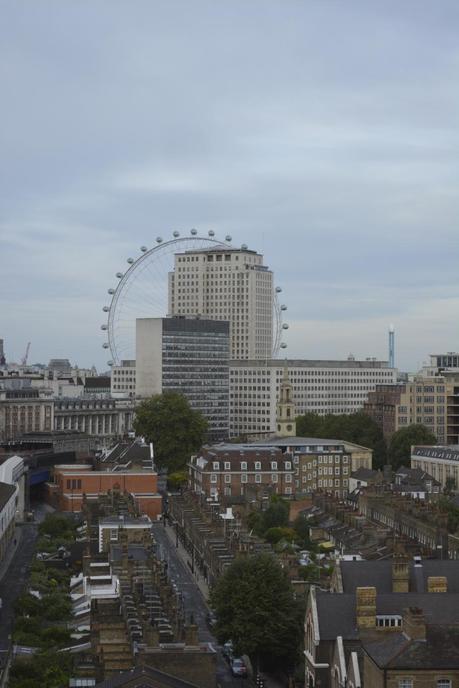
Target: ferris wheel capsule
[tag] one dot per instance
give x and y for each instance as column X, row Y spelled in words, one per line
column 104, row 327
column 106, row 309
column 228, row 237
column 105, row 345
column 283, row 307
column 143, row 249
column 194, row 232
column 159, row 240
column 130, row 261
column 111, row 291
column 211, row 233
column 244, row 247
column 285, row 326
column 283, row 345
column 278, row 290
column 110, row 363
column 119, row 275
column 176, row 234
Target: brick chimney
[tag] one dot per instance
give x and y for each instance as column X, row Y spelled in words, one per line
column 437, row 584
column 366, row 607
column 414, row 623
column 400, row 573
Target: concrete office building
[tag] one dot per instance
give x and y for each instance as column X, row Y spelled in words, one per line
column 227, row 284
column 123, row 379
column 318, row 386
column 190, row 356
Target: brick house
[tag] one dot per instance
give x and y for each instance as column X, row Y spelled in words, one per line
column 233, row 470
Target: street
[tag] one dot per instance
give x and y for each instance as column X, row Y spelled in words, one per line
column 13, row 581
column 194, row 602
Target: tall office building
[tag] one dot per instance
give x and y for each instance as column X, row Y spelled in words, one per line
column 227, row 284
column 190, row 356
column 318, row 386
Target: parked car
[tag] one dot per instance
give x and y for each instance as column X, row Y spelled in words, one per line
column 238, row 667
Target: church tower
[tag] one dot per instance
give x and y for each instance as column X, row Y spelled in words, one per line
column 285, row 410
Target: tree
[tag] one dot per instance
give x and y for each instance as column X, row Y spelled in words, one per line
column 256, row 609
column 175, row 429
column 275, row 516
column 402, row 441
column 355, row 427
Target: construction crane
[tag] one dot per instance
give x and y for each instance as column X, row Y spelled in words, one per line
column 26, row 356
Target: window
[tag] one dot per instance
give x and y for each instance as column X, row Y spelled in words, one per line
column 243, row 465
column 258, row 478
column 288, row 478
column 274, row 478
column 216, row 465
column 258, row 466
column 227, row 478
column 288, row 465
column 336, row 470
column 244, row 478
column 213, row 478
column 405, row 683
column 227, row 466
column 444, row 683
column 113, row 534
column 274, row 465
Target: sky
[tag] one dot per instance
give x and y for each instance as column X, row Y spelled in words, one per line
column 322, row 133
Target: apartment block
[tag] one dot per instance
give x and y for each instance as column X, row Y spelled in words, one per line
column 232, row 470
column 227, row 284
column 430, row 401
column 318, row 386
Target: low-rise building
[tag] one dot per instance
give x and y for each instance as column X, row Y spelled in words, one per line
column 12, row 495
column 230, row 470
column 25, row 410
column 441, row 462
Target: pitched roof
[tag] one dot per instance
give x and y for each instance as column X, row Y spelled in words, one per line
column 144, row 677
column 440, row 650
column 336, row 612
column 355, row 574
column 364, row 473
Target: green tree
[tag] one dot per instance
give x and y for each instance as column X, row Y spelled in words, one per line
column 44, row 669
column 276, row 534
column 275, row 516
column 402, row 441
column 58, row 526
column 256, row 609
column 175, row 429
column 355, row 427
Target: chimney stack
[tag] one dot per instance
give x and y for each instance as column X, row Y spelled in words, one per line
column 437, row 584
column 400, row 574
column 366, row 607
column 414, row 623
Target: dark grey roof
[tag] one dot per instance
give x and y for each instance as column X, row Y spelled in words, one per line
column 143, row 677
column 439, row 651
column 364, row 473
column 6, row 492
column 337, row 616
column 437, row 452
column 356, row 574
column 97, row 382
column 135, row 552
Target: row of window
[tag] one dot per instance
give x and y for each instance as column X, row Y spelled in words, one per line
column 245, row 478
column 227, row 465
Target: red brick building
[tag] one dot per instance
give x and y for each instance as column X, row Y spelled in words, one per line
column 73, row 481
column 230, row 470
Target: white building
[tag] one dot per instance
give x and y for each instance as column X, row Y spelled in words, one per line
column 227, row 284
column 123, row 379
column 12, row 490
column 318, row 386
column 441, row 462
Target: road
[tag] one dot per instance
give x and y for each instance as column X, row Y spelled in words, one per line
column 13, row 581
column 194, row 603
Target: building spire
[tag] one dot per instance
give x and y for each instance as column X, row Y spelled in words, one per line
column 285, row 410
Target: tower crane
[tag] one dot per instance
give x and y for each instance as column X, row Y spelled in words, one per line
column 26, row 355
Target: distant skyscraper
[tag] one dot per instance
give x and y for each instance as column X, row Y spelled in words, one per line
column 391, row 346
column 227, row 284
column 2, row 354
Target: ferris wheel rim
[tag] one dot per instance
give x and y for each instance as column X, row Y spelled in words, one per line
column 125, row 279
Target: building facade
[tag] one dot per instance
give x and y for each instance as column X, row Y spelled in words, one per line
column 233, row 470
column 430, row 401
column 24, row 410
column 318, row 386
column 190, row 356
column 227, row 284
column 442, row 463
column 104, row 418
column 123, row 379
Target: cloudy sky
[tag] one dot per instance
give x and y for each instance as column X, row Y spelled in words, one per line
column 323, row 133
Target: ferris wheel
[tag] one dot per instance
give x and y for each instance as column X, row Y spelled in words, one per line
column 142, row 292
